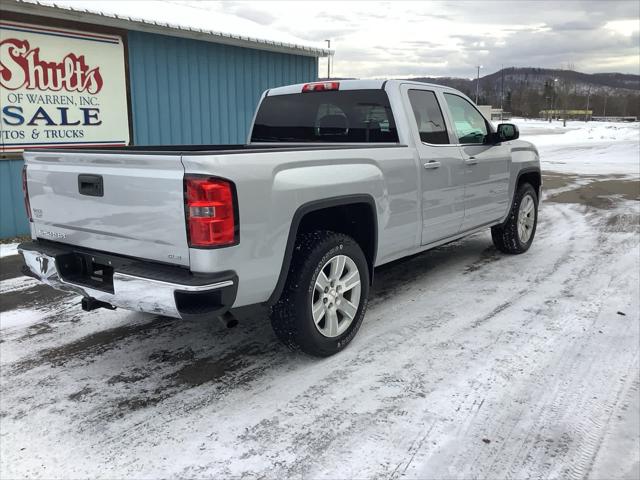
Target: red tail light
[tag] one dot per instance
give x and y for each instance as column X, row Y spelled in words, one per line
column 25, row 192
column 212, row 219
column 320, row 86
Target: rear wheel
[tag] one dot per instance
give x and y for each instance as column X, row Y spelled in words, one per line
column 325, row 296
column 516, row 234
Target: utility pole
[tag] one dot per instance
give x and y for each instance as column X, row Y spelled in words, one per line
column 565, row 99
column 501, row 92
column 586, row 113
column 548, row 108
column 328, row 59
column 604, row 110
column 553, row 99
column 478, row 82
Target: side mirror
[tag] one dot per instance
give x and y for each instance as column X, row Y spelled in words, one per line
column 507, row 131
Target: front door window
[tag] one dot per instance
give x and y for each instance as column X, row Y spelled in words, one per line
column 470, row 125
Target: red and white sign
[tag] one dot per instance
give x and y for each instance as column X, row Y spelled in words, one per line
column 61, row 88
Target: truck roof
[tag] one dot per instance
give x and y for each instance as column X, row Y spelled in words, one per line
column 355, row 85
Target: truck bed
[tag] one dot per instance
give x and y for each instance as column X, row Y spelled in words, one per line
column 218, row 149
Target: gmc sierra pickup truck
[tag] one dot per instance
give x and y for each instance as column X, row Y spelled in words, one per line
column 336, row 179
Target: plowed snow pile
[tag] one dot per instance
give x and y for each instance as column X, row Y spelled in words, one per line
column 589, row 148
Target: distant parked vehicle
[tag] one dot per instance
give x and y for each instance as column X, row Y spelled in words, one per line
column 337, row 178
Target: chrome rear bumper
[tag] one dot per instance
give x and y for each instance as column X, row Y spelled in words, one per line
column 131, row 292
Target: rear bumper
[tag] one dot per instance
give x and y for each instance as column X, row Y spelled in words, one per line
column 132, row 284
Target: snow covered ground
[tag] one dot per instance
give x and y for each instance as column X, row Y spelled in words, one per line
column 602, row 148
column 8, row 249
column 470, row 363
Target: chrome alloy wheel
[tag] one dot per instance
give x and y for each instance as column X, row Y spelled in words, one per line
column 526, row 218
column 336, row 296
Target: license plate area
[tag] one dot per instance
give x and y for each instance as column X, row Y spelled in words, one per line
column 87, row 270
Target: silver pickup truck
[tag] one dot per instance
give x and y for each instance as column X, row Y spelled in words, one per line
column 337, row 178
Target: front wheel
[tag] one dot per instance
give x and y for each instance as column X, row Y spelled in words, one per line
column 325, row 296
column 516, row 234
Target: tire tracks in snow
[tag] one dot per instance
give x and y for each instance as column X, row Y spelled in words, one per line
column 456, row 349
column 571, row 365
column 353, row 366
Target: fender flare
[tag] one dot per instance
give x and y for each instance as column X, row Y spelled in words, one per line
column 525, row 171
column 312, row 206
column 521, row 172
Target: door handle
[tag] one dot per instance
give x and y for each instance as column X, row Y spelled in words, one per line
column 431, row 165
column 471, row 161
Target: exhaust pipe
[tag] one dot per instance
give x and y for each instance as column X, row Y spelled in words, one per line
column 228, row 320
column 90, row 303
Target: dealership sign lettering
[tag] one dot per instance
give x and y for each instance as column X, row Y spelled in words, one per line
column 61, row 88
column 22, row 67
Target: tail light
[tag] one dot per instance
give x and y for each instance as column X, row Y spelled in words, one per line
column 211, row 213
column 25, row 192
column 320, row 86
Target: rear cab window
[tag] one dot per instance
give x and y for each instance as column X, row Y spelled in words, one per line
column 342, row 116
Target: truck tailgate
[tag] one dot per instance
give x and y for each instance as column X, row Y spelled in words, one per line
column 118, row 202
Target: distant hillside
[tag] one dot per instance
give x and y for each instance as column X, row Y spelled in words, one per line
column 529, row 90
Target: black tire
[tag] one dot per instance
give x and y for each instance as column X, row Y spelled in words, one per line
column 505, row 237
column 291, row 316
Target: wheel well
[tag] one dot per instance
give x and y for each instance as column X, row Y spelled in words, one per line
column 357, row 220
column 532, row 178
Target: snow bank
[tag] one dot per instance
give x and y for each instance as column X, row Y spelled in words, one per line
column 593, row 148
column 586, row 133
column 540, row 127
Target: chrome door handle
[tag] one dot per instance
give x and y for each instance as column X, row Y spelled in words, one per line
column 432, row 165
column 471, row 161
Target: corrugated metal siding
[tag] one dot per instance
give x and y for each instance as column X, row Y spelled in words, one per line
column 189, row 92
column 13, row 220
column 182, row 92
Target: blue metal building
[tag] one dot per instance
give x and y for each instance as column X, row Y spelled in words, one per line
column 185, row 86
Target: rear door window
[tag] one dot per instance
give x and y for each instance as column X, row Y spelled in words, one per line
column 428, row 115
column 348, row 116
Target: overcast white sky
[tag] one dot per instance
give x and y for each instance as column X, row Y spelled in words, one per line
column 422, row 38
